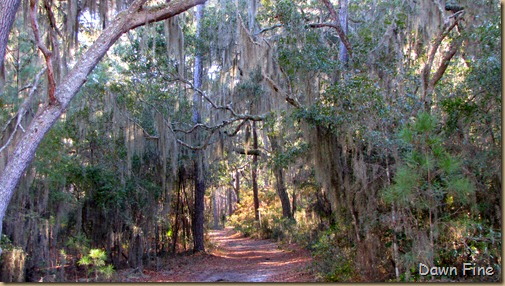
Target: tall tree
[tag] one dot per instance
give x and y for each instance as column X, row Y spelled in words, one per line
column 136, row 15
column 199, row 183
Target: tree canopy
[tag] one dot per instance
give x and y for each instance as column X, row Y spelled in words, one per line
column 368, row 132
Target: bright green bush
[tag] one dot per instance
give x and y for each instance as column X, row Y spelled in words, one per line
column 95, row 260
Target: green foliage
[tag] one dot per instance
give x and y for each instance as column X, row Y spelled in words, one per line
column 430, row 185
column 291, row 152
column 444, row 166
column 250, row 90
column 342, row 105
column 78, row 243
column 96, row 261
column 5, row 243
column 85, row 260
column 333, row 262
column 429, row 170
column 404, row 190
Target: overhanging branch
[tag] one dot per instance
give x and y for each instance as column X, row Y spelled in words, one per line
column 228, row 107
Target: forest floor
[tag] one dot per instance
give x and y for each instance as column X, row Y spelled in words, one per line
column 234, row 258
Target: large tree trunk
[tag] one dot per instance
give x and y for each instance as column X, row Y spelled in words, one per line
column 8, row 10
column 47, row 115
column 198, row 212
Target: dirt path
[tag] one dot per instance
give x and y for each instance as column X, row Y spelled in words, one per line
column 236, row 259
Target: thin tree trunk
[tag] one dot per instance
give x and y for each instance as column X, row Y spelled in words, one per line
column 294, row 203
column 343, row 55
column 215, row 210
column 47, row 115
column 198, row 215
column 251, row 11
column 237, row 185
column 229, row 202
column 255, row 174
column 175, row 229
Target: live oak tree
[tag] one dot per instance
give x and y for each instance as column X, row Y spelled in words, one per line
column 374, row 124
column 136, row 15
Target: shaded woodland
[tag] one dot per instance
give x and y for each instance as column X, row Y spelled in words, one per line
column 368, row 132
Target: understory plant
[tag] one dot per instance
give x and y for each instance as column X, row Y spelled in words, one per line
column 430, row 193
column 95, row 262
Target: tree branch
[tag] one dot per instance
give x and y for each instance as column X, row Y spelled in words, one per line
column 52, row 20
column 47, row 115
column 237, row 129
column 268, row 29
column 212, row 130
column 429, row 84
column 322, row 25
column 45, row 51
column 337, row 27
column 291, row 100
column 142, row 15
column 22, row 110
column 445, row 62
column 227, row 107
column 201, row 147
column 243, row 151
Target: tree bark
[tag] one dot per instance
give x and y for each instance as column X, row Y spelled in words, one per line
column 198, row 211
column 251, row 11
column 343, row 13
column 429, row 80
column 280, row 184
column 236, row 187
column 229, row 201
column 215, row 212
column 254, row 174
column 47, row 115
column 8, row 10
column 338, row 27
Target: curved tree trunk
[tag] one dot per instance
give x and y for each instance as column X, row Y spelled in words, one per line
column 47, row 115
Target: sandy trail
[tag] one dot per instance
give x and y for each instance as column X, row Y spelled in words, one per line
column 236, row 259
